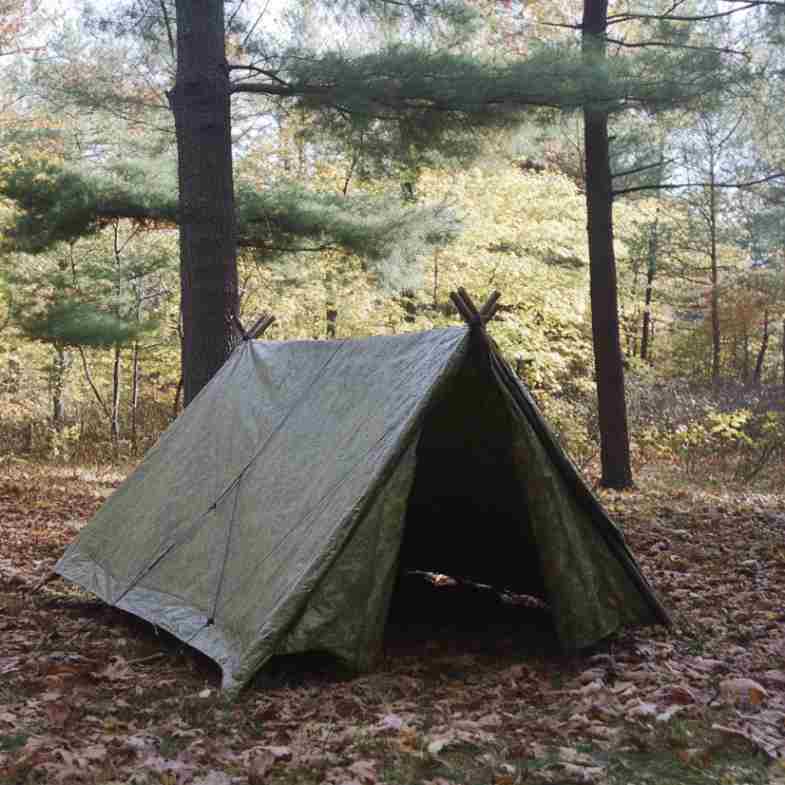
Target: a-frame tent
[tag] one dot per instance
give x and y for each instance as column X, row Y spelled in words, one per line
column 273, row 515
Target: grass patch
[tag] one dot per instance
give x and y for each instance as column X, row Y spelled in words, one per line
column 734, row 764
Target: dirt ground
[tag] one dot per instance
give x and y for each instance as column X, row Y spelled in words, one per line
column 89, row 694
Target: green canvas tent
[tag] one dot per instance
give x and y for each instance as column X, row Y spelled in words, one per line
column 275, row 513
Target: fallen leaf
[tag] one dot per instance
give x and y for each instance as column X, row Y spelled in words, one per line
column 391, row 721
column 58, row 713
column 212, row 778
column 669, row 713
column 694, row 756
column 364, row 770
column 259, row 767
column 641, row 708
column 743, row 691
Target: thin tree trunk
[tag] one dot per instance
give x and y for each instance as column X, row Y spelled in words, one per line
column 651, row 268
column 115, row 411
column 436, row 276
column 178, row 397
column 614, row 438
column 715, row 291
column 409, row 306
column 134, row 397
column 745, row 357
column 332, row 321
column 14, row 375
column 764, row 345
column 59, row 370
column 200, row 101
column 96, row 392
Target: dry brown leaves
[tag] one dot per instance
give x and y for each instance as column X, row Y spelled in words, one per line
column 90, row 695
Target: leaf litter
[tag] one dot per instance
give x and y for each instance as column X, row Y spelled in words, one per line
column 89, row 694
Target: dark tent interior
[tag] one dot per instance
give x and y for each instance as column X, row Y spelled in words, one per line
column 467, row 512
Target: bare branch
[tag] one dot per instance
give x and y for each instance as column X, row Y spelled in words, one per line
column 628, row 17
column 90, row 381
column 670, row 45
column 672, row 186
column 642, row 168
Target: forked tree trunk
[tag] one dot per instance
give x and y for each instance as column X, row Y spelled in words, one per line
column 614, row 437
column 200, row 101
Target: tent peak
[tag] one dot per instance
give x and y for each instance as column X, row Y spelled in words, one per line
column 258, row 327
column 474, row 317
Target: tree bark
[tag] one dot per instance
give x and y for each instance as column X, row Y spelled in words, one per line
column 200, row 101
column 609, row 369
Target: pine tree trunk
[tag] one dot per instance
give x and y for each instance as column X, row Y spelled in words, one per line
column 200, row 101
column 614, row 438
column 764, row 345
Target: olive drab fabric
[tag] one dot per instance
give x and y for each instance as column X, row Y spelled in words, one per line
column 270, row 516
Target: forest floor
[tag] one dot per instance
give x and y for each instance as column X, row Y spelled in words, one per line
column 89, row 694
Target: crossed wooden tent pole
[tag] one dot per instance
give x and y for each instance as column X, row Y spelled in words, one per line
column 473, row 316
column 258, row 327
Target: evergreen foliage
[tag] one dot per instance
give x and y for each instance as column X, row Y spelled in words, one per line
column 67, row 323
column 58, row 203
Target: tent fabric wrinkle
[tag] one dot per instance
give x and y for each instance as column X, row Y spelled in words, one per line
column 276, row 513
